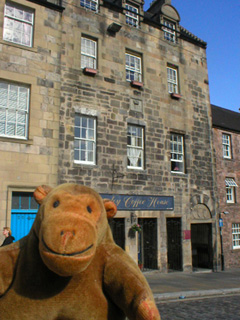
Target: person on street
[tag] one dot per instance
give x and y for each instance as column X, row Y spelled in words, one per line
column 8, row 236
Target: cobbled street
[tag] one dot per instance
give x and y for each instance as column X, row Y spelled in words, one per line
column 213, row 308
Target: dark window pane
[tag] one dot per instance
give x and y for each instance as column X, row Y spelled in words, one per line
column 25, row 201
column 33, row 203
column 15, row 201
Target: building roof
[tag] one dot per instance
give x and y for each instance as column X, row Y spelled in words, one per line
column 225, row 119
column 185, row 34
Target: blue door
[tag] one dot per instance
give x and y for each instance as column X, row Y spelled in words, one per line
column 23, row 213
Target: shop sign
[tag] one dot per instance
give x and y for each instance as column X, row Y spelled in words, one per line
column 136, row 202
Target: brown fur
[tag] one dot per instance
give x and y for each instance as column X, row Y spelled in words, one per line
column 68, row 267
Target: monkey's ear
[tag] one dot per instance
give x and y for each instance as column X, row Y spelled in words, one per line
column 110, row 207
column 41, row 192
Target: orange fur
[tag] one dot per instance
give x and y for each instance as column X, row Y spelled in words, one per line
column 68, row 267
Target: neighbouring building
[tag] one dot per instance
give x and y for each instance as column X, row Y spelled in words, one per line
column 30, row 47
column 226, row 139
column 117, row 99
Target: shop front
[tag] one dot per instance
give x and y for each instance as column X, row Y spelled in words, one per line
column 136, row 227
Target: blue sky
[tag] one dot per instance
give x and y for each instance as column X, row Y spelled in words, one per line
column 217, row 23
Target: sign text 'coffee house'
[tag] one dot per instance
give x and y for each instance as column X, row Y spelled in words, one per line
column 136, row 202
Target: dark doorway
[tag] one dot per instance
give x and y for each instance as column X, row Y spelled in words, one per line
column 202, row 254
column 174, row 243
column 117, row 226
column 147, row 244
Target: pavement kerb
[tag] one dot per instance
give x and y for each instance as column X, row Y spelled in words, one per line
column 160, row 297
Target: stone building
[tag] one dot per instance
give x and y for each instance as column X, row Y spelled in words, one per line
column 118, row 100
column 226, row 139
column 135, row 124
column 30, row 43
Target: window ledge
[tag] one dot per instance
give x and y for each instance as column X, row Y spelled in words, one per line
column 175, row 96
column 16, row 140
column 90, row 71
column 19, row 46
column 179, row 173
column 136, row 84
column 135, row 169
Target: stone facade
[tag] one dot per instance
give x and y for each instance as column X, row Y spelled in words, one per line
column 62, row 90
column 115, row 104
column 228, row 168
column 27, row 163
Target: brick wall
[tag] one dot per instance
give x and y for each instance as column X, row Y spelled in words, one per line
column 228, row 168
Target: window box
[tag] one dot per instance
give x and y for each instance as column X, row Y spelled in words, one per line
column 176, row 96
column 136, row 84
column 90, row 71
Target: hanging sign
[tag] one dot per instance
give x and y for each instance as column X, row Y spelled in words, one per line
column 137, row 202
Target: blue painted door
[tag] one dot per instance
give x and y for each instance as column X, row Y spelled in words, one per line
column 23, row 213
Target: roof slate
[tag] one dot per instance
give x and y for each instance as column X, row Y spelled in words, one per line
column 225, row 119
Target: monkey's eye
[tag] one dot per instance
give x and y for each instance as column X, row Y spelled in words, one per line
column 56, row 204
column 89, row 209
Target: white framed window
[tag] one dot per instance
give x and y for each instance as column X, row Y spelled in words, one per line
column 133, row 67
column 135, row 147
column 14, row 110
column 89, row 4
column 18, row 24
column 172, row 79
column 226, row 144
column 88, row 53
column 230, row 189
column 85, row 139
column 169, row 31
column 132, row 15
column 236, row 235
column 177, row 153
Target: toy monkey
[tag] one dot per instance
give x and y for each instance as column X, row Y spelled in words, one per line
column 68, row 266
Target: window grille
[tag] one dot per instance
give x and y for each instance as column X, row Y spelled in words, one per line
column 169, row 31
column 14, row 110
column 18, row 24
column 230, row 190
column 135, row 151
column 88, row 53
column 177, row 153
column 133, row 68
column 226, row 144
column 85, row 140
column 236, row 235
column 89, row 4
column 131, row 15
column 172, row 79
